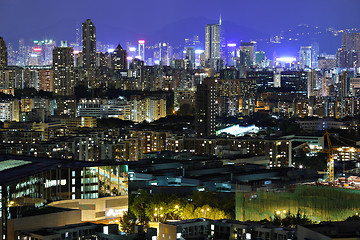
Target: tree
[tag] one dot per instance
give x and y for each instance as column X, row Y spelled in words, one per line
column 354, row 218
column 128, row 222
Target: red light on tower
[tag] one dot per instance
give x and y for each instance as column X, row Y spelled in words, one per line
column 141, row 41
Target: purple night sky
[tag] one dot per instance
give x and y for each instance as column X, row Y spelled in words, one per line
column 120, row 21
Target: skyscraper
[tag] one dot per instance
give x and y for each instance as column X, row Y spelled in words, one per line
column 3, row 53
column 345, row 41
column 305, row 58
column 119, row 58
column 190, row 57
column 314, row 54
column 141, row 50
column 212, row 43
column 355, row 49
column 250, row 46
column 205, row 98
column 89, row 44
column 63, row 65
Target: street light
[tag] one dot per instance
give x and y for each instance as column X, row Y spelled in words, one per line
column 177, row 208
column 205, row 210
column 158, row 213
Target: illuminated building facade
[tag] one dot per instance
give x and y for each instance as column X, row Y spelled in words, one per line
column 119, row 58
column 63, row 65
column 212, row 44
column 32, row 182
column 89, row 44
column 3, row 54
column 305, row 57
column 205, row 103
column 141, row 50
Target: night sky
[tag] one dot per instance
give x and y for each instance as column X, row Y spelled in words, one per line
column 120, row 21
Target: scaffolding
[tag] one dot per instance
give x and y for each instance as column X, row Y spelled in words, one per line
column 319, row 203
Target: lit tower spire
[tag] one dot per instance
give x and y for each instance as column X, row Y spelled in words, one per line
column 220, row 20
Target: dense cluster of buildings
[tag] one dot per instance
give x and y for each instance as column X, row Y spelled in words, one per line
column 83, row 127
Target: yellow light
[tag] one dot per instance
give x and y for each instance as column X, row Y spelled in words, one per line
column 202, row 210
column 161, row 215
column 155, row 209
column 284, row 211
column 176, row 206
column 208, row 209
column 161, row 208
column 278, row 212
column 155, row 214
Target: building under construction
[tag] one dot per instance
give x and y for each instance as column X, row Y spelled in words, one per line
column 318, row 202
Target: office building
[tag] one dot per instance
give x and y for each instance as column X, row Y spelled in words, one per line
column 230, row 54
column 141, row 50
column 260, row 58
column 89, row 44
column 33, row 182
column 190, row 57
column 249, row 47
column 212, row 44
column 305, row 57
column 205, row 99
column 314, row 54
column 63, row 66
column 3, row 53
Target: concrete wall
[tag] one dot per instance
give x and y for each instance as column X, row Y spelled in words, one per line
column 43, row 221
column 96, row 209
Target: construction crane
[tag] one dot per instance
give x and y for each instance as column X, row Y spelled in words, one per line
column 330, row 152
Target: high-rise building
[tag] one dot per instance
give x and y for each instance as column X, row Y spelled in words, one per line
column 230, row 53
column 342, row 58
column 63, row 65
column 46, row 80
column 250, row 46
column 190, row 57
column 311, row 83
column 260, row 58
column 345, row 41
column 314, row 54
column 355, row 49
column 212, row 43
column 164, row 53
column 305, row 57
column 119, row 58
column 89, row 44
column 205, row 99
column 3, row 53
column 141, row 50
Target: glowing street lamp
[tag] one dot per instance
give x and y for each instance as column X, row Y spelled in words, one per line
column 205, row 210
column 177, row 207
column 158, row 213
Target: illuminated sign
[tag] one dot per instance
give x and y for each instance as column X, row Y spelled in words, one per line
column 37, row 49
column 132, row 49
column 141, row 41
column 231, row 44
column 199, row 51
column 115, row 212
column 76, row 52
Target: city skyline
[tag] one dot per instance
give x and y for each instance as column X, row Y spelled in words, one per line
column 144, row 21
